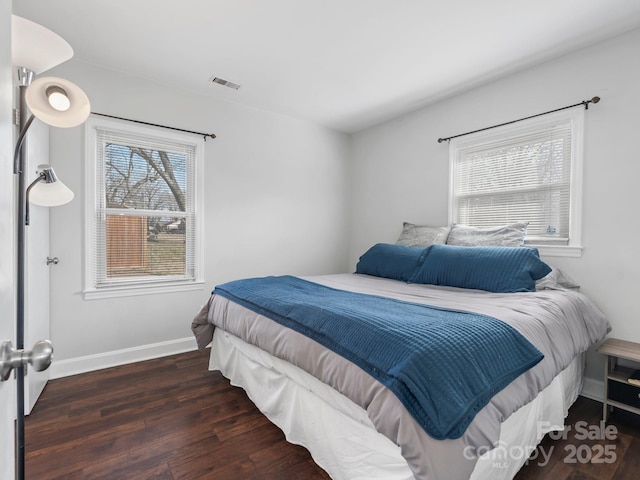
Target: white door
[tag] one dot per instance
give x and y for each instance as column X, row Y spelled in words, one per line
column 7, row 292
column 37, row 272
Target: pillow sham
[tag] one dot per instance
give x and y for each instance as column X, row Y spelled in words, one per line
column 422, row 235
column 511, row 235
column 398, row 262
column 494, row 269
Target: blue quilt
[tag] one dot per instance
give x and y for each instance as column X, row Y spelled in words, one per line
column 443, row 365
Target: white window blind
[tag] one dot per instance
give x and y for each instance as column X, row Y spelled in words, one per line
column 145, row 220
column 519, row 175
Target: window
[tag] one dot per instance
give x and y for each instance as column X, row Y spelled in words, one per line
column 530, row 171
column 144, row 209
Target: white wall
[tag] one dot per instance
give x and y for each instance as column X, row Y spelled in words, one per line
column 275, row 200
column 400, row 172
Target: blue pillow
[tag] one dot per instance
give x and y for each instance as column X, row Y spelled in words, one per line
column 495, row 269
column 398, row 262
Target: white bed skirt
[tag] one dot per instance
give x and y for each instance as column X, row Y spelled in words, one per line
column 341, row 438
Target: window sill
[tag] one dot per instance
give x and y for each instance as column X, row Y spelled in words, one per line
column 572, row 251
column 134, row 290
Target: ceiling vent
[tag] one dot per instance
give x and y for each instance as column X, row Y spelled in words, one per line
column 226, row 83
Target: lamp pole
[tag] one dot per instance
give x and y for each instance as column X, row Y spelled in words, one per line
column 40, row 355
column 25, row 80
column 27, row 38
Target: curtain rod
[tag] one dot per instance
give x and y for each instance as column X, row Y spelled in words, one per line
column 586, row 103
column 205, row 135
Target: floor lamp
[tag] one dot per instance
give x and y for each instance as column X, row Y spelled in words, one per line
column 59, row 103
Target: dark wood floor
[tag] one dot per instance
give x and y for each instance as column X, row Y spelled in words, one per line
column 170, row 418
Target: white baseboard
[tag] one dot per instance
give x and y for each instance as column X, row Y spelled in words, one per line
column 89, row 363
column 593, row 389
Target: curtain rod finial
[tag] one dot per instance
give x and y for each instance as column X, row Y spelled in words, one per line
column 595, row 99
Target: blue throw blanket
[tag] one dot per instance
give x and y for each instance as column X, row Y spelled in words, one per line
column 443, row 365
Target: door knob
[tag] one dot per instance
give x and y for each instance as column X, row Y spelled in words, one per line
column 39, row 357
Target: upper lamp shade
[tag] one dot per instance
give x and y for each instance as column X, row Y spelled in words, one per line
column 36, row 47
column 57, row 102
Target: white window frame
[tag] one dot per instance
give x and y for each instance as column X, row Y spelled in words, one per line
column 91, row 290
column 576, row 118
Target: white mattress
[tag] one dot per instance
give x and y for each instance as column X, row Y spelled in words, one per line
column 342, row 438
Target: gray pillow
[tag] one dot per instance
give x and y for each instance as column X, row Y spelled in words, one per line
column 422, row 235
column 556, row 280
column 507, row 236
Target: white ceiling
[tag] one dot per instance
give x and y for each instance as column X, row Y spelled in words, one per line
column 346, row 64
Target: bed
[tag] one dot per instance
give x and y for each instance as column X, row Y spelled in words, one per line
column 360, row 421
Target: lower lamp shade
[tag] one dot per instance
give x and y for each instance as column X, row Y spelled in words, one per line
column 50, row 194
